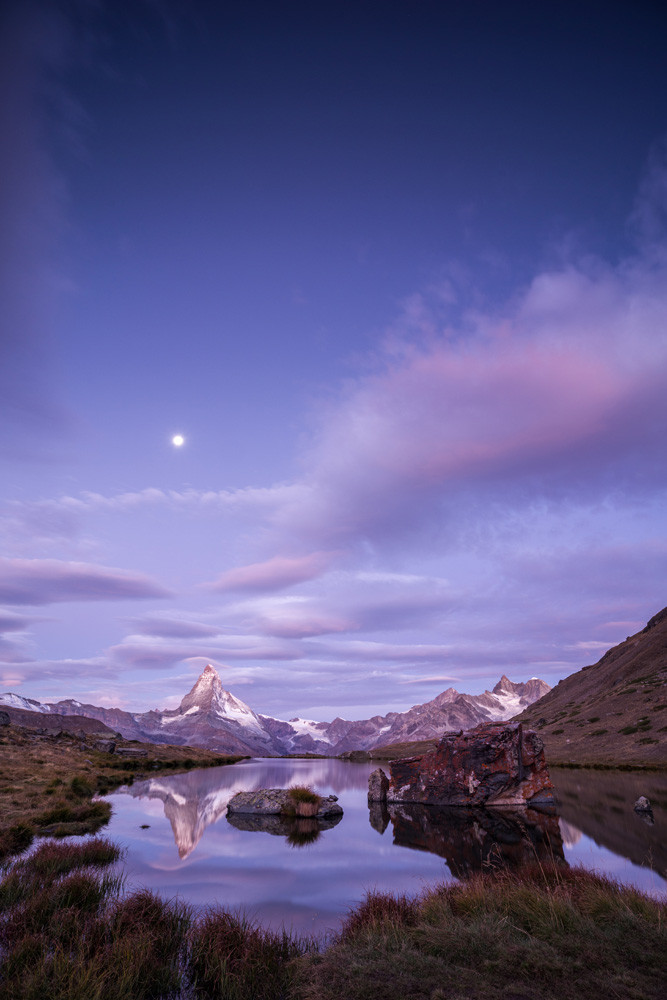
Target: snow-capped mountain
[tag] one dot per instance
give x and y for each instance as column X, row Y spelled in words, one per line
column 27, row 704
column 209, row 716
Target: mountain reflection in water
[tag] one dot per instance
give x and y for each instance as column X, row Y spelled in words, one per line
column 600, row 805
column 196, row 799
column 595, row 822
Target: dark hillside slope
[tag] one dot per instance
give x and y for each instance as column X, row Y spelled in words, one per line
column 52, row 724
column 613, row 712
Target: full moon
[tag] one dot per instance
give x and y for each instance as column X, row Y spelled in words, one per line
column 178, row 440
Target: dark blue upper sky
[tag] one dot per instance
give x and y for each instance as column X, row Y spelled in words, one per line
column 395, row 271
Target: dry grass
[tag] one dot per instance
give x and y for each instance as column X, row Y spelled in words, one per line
column 303, row 801
column 230, row 957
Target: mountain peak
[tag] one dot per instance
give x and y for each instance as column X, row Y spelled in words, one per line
column 505, row 685
column 206, row 689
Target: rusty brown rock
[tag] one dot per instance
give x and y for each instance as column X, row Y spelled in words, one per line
column 495, row 764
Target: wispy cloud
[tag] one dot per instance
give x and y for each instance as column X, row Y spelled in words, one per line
column 275, row 573
column 32, row 44
column 49, row 581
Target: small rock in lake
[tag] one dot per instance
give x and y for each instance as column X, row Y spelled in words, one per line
column 273, row 801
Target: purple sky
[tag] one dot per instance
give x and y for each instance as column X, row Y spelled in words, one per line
column 398, row 274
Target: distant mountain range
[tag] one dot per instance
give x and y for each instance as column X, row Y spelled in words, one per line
column 211, row 717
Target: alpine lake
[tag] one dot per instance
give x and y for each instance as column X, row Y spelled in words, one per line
column 305, row 876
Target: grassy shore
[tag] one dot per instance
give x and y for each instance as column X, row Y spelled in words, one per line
column 67, row 932
column 47, row 782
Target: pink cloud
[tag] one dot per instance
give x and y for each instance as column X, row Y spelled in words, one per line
column 300, row 623
column 274, row 574
column 47, row 581
column 564, row 391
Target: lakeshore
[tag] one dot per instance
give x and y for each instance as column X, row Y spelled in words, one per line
column 547, row 931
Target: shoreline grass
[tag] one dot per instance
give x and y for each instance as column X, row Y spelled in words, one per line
column 546, row 932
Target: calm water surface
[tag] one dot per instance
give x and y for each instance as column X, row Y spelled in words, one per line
column 189, row 849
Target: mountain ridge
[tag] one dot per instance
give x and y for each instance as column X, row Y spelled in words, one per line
column 212, row 717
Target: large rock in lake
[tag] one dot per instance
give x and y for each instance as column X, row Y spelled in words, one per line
column 495, row 764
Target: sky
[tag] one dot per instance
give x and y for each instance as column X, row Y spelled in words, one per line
column 397, row 274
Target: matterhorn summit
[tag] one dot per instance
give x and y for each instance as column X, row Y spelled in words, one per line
column 208, row 696
column 210, row 716
column 205, row 693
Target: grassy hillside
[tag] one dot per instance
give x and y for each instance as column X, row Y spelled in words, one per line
column 613, row 712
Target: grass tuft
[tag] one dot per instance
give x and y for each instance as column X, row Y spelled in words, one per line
column 377, row 910
column 230, row 957
column 304, row 801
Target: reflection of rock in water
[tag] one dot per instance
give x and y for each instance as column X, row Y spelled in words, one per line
column 378, row 816
column 571, row 834
column 468, row 839
column 298, row 830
